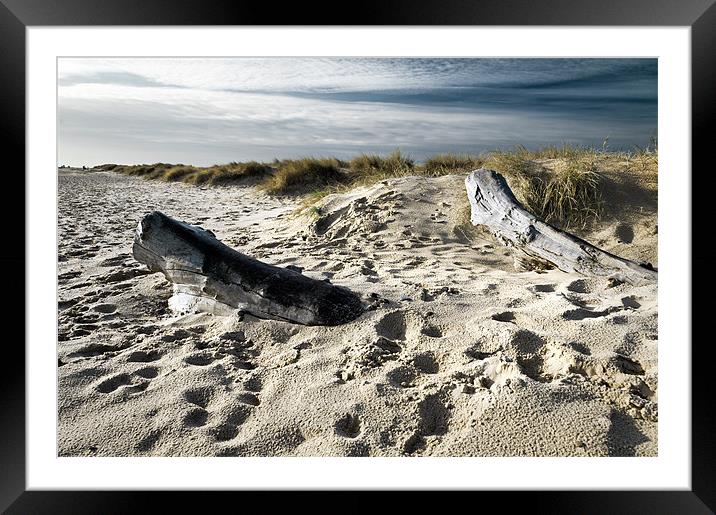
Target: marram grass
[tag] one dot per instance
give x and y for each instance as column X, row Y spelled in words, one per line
column 560, row 184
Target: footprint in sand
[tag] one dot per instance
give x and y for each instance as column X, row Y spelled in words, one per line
column 110, row 384
column 89, row 318
column 64, row 277
column 476, row 353
column 124, row 275
column 124, row 381
column 432, row 331
column 222, row 416
column 392, row 326
column 144, row 356
column 580, row 348
column 426, row 363
column 228, row 428
column 527, row 342
column 200, row 396
column 195, row 417
column 581, row 314
column 104, row 308
column 147, row 372
column 96, row 349
column 146, row 329
column 200, row 359
column 579, row 286
column 434, row 415
column 348, row 426
column 147, row 443
column 630, row 302
column 79, row 333
column 402, row 376
column 114, row 261
column 66, row 304
column 386, row 346
column 627, row 365
column 179, row 334
column 504, row 316
column 248, row 398
column 253, row 384
column 433, row 420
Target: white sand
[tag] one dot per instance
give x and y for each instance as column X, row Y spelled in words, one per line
column 461, row 355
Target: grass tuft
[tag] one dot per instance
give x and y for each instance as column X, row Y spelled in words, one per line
column 304, row 175
column 366, row 167
column 561, row 185
column 235, row 172
column 571, row 196
column 177, row 173
column 446, row 164
column 213, row 175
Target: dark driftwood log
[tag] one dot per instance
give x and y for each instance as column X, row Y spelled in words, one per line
column 211, row 277
column 495, row 206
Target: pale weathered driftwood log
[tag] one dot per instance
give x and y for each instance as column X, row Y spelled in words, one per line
column 211, row 277
column 495, row 206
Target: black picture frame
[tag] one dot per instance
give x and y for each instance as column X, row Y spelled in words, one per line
column 699, row 15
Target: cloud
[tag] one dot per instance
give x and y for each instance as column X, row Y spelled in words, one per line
column 119, row 78
column 209, row 110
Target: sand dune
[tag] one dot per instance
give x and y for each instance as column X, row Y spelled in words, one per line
column 458, row 354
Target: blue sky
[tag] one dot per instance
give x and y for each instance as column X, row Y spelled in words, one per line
column 207, row 111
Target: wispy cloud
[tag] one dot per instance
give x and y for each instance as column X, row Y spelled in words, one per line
column 210, row 110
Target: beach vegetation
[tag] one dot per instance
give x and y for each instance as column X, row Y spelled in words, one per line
column 367, row 167
column 304, row 175
column 562, row 184
column 449, row 163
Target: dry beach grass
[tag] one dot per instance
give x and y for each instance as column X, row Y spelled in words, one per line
column 563, row 185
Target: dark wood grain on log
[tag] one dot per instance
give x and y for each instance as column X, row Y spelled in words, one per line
column 494, row 205
column 211, row 277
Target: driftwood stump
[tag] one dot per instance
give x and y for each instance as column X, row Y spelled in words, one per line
column 211, row 277
column 495, row 206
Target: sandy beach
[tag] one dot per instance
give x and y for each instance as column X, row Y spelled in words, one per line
column 458, row 354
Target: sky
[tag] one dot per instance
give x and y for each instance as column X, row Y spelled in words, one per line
column 205, row 111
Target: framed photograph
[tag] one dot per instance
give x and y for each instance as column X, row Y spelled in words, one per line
column 447, row 248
